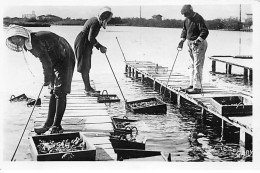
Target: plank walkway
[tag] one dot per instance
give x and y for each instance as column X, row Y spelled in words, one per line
column 139, row 69
column 245, row 62
column 84, row 114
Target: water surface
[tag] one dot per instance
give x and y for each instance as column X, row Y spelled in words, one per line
column 171, row 133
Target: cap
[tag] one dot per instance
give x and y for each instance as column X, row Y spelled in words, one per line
column 186, row 9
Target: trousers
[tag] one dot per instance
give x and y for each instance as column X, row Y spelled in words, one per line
column 197, row 57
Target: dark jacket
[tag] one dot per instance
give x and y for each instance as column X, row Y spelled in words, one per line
column 84, row 43
column 194, row 28
column 56, row 55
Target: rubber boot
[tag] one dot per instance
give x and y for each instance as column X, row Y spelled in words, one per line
column 51, row 113
column 61, row 101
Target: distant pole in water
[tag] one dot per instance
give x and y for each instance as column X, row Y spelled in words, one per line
column 239, row 28
column 240, row 22
column 240, row 13
column 140, row 12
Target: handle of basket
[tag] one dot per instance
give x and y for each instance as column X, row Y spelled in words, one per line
column 11, row 98
column 103, row 92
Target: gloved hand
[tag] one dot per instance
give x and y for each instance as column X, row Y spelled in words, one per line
column 103, row 49
column 180, row 46
column 196, row 43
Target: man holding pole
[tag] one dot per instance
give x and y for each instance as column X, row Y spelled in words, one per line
column 195, row 32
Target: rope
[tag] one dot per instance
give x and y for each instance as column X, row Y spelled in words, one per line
column 27, row 124
column 121, row 49
column 171, row 71
column 27, row 64
column 115, row 77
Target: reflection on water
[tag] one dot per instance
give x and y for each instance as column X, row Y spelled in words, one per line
column 182, row 131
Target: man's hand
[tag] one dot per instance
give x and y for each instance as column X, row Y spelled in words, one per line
column 196, row 43
column 180, row 46
column 103, row 49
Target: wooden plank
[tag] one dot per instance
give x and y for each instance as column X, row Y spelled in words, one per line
column 105, row 127
column 96, row 134
column 79, row 108
column 81, row 120
column 99, row 140
column 80, row 105
column 210, row 95
column 74, row 101
column 244, row 63
column 80, row 112
column 69, row 97
column 99, row 127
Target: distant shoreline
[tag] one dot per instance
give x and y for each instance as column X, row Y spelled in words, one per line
column 32, row 24
column 230, row 24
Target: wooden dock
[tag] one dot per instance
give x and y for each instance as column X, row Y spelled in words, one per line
column 84, row 114
column 159, row 78
column 245, row 62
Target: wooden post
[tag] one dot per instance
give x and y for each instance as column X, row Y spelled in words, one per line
column 178, row 100
column 203, row 112
column 250, row 75
column 222, row 129
column 229, row 68
column 136, row 74
column 213, row 66
column 161, row 89
column 203, row 116
column 156, row 69
column 242, row 137
column 129, row 71
column 126, row 68
column 174, row 98
column 154, row 87
column 245, row 74
column 142, row 78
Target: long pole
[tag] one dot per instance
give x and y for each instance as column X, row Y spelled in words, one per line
column 171, row 70
column 115, row 77
column 27, row 123
column 121, row 49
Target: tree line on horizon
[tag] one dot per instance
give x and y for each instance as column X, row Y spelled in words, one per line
column 216, row 24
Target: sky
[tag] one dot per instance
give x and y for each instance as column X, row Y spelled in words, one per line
column 211, row 9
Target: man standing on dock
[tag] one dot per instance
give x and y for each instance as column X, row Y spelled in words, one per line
column 196, row 32
column 85, row 42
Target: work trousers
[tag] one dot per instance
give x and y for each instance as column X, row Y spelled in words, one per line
column 197, row 57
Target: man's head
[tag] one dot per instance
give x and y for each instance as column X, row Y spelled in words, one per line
column 105, row 15
column 187, row 11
